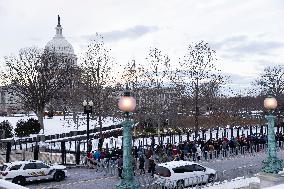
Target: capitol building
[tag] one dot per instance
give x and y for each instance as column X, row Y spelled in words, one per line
column 61, row 46
column 58, row 44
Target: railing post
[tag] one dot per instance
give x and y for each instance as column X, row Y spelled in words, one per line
column 36, row 151
column 78, row 153
column 8, row 151
column 63, row 152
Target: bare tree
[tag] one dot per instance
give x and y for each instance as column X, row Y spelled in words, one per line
column 36, row 76
column 156, row 77
column 68, row 98
column 195, row 70
column 271, row 81
column 132, row 76
column 98, row 78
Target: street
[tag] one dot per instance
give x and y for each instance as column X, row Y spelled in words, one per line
column 78, row 178
column 89, row 179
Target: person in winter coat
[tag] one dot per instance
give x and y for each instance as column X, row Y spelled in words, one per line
column 120, row 166
column 198, row 153
column 141, row 164
column 152, row 166
column 97, row 155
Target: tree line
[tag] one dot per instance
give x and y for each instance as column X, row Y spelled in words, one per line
column 192, row 92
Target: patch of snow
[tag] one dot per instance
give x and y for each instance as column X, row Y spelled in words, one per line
column 281, row 172
column 58, row 125
column 234, row 183
column 5, row 184
column 281, row 186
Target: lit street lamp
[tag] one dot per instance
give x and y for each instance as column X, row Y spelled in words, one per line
column 127, row 104
column 271, row 164
column 88, row 109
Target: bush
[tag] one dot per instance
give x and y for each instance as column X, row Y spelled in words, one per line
column 7, row 128
column 26, row 128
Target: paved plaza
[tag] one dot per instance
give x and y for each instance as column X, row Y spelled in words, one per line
column 81, row 177
column 78, row 178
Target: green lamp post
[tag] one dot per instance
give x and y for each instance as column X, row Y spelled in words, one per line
column 127, row 104
column 271, row 164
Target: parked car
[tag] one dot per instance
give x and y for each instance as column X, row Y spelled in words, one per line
column 21, row 172
column 181, row 174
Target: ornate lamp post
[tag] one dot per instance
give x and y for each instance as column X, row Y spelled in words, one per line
column 127, row 104
column 271, row 164
column 88, row 109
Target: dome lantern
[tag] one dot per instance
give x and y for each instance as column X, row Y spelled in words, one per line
column 58, row 43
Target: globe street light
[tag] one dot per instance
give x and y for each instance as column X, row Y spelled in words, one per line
column 271, row 164
column 88, row 109
column 127, row 104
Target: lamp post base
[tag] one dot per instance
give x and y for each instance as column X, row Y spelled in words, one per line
column 272, row 165
column 128, row 184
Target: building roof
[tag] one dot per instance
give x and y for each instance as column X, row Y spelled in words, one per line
column 59, row 44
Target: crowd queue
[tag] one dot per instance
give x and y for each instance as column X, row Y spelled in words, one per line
column 145, row 158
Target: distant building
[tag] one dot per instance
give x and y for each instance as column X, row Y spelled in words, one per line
column 9, row 101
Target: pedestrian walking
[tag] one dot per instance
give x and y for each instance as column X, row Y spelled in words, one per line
column 152, row 166
column 141, row 164
column 120, row 166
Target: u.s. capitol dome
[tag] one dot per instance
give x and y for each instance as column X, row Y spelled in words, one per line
column 60, row 45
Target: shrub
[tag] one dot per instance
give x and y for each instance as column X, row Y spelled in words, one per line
column 26, row 128
column 7, row 128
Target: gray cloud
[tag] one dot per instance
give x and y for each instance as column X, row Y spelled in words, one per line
column 238, row 83
column 130, row 33
column 239, row 79
column 257, row 47
column 229, row 40
column 240, row 46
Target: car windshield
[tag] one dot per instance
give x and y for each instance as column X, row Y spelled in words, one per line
column 3, row 168
column 162, row 171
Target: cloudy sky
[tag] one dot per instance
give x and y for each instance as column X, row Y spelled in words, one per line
column 248, row 35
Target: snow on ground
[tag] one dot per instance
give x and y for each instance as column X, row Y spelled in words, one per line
column 8, row 185
column 58, row 125
column 281, row 186
column 235, row 183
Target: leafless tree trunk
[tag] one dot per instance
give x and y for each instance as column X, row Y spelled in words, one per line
column 195, row 69
column 97, row 77
column 35, row 77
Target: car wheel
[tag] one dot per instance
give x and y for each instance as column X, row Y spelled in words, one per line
column 180, row 184
column 59, row 176
column 211, row 178
column 19, row 180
